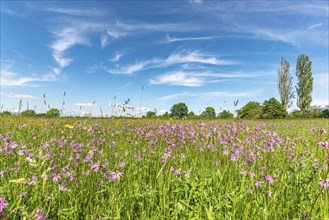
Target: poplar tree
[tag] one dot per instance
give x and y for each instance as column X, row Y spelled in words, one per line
column 285, row 84
column 304, row 82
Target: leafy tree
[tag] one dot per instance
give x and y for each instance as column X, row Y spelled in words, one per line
column 6, row 113
column 285, row 84
column 272, row 108
column 252, row 110
column 191, row 114
column 325, row 112
column 311, row 112
column 209, row 113
column 165, row 115
column 304, row 82
column 179, row 110
column 225, row 114
column 150, row 114
column 28, row 113
column 53, row 112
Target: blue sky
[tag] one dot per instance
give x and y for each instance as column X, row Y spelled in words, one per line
column 203, row 53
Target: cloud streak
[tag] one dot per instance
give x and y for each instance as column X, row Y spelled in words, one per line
column 173, row 59
column 198, row 79
column 18, row 96
column 207, row 95
column 8, row 77
column 88, row 104
column 172, row 39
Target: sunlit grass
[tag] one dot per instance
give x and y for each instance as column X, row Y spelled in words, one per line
column 160, row 169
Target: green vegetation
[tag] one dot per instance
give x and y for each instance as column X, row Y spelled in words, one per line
column 69, row 168
column 272, row 108
column 179, row 110
column 304, row 86
column 285, row 84
column 54, row 112
column 252, row 110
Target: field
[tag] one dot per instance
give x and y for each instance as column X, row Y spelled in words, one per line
column 163, row 169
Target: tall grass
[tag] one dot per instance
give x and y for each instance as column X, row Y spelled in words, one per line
column 138, row 169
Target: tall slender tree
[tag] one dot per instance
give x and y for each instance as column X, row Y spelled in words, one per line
column 304, row 82
column 285, row 84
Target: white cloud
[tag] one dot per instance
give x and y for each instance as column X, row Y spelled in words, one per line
column 88, row 104
column 197, row 79
column 178, row 79
column 315, row 26
column 76, row 11
column 18, row 96
column 127, row 85
column 171, row 39
column 175, row 58
column 162, row 111
column 208, row 95
column 116, row 57
column 104, row 40
column 10, row 78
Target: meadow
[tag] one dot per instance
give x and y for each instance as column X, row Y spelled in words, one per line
column 69, row 168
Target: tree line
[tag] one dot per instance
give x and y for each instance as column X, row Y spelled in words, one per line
column 272, row 108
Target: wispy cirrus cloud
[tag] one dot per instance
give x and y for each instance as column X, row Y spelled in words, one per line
column 76, row 11
column 176, row 39
column 87, row 104
column 178, row 79
column 9, row 77
column 173, row 59
column 315, row 26
column 18, row 96
column 198, row 79
column 208, row 95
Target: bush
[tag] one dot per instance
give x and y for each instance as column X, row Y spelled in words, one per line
column 28, row 113
column 209, row 113
column 54, row 112
column 179, row 110
column 252, row 110
column 150, row 114
column 6, row 113
column 225, row 114
column 272, row 108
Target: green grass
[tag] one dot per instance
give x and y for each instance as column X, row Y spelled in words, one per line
column 170, row 169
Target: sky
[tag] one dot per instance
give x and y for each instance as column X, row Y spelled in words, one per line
column 150, row 55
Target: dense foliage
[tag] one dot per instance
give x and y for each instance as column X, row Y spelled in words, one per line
column 28, row 113
column 225, row 114
column 285, row 84
column 252, row 110
column 209, row 112
column 272, row 108
column 53, row 112
column 304, row 86
column 179, row 110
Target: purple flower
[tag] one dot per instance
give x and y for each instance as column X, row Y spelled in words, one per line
column 249, row 190
column 55, row 177
column 95, row 167
column 31, row 181
column 269, row 179
column 39, row 215
column 258, row 183
column 3, row 204
column 115, row 175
